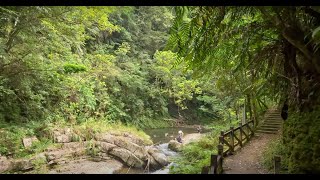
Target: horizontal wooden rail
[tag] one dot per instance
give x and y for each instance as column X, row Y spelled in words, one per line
column 231, row 139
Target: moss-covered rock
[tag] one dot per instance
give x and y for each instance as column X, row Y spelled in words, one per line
column 302, row 138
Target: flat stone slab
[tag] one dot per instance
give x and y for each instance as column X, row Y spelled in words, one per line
column 88, row 167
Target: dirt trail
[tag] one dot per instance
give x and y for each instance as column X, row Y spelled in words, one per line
column 248, row 159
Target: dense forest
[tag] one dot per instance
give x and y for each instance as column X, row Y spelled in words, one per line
column 133, row 68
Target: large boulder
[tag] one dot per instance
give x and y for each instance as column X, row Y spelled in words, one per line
column 27, row 142
column 5, row 164
column 138, row 151
column 134, row 139
column 154, row 164
column 53, row 155
column 175, row 145
column 73, row 145
column 159, row 157
column 22, row 164
column 127, row 157
column 64, row 153
column 105, row 138
column 62, row 135
column 106, row 147
column 156, row 157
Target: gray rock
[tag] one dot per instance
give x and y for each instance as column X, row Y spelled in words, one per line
column 159, row 157
column 37, row 157
column 62, row 135
column 134, row 139
column 106, row 147
column 175, row 145
column 67, row 131
column 138, row 151
column 154, row 164
column 64, row 138
column 127, row 157
column 105, row 138
column 5, row 164
column 22, row 165
column 152, row 149
column 27, row 142
column 73, row 145
column 54, row 155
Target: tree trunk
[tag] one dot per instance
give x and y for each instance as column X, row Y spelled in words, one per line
column 295, row 37
column 249, row 106
column 254, row 109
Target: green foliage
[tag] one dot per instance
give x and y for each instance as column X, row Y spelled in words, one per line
column 301, row 138
column 275, row 148
column 196, row 155
column 12, row 135
column 75, row 63
column 74, row 68
column 40, row 166
column 92, row 149
column 99, row 69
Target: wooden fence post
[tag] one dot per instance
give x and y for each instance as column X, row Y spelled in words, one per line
column 220, row 149
column 220, row 162
column 205, row 170
column 253, row 128
column 240, row 128
column 277, row 161
column 221, row 137
column 213, row 164
column 221, row 134
column 232, row 140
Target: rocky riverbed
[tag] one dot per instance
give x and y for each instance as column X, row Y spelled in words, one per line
column 105, row 153
column 103, row 148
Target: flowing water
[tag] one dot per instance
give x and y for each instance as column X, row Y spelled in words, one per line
column 161, row 136
column 164, row 135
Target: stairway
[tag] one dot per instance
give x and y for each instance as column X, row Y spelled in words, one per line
column 272, row 122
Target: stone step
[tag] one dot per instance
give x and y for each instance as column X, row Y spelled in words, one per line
column 267, row 132
column 276, row 116
column 268, row 129
column 272, row 122
column 273, row 116
column 270, row 126
column 274, row 119
column 277, row 120
column 273, row 110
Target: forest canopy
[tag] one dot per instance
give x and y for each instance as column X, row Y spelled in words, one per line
column 148, row 67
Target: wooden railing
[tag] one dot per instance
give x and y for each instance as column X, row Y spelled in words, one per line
column 230, row 140
column 277, row 164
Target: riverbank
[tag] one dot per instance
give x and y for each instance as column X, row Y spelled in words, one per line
column 188, row 138
column 81, row 149
column 62, row 145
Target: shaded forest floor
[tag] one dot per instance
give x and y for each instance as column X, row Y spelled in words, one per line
column 247, row 160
